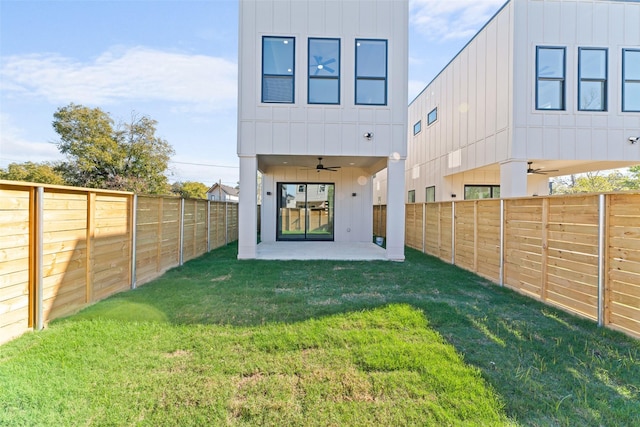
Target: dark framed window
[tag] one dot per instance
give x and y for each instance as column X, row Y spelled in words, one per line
column 411, row 196
column 631, row 80
column 371, row 72
column 430, row 194
column 474, row 192
column 417, row 127
column 592, row 77
column 432, row 116
column 278, row 69
column 324, row 71
column 550, row 78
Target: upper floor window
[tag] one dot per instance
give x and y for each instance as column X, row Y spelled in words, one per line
column 592, row 71
column 550, row 78
column 411, row 196
column 417, row 127
column 371, row 72
column 278, row 59
column 432, row 116
column 324, row 71
column 630, row 79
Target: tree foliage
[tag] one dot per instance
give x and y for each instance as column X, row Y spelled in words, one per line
column 102, row 154
column 190, row 190
column 594, row 182
column 43, row 173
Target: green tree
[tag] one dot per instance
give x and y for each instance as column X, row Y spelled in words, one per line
column 102, row 154
column 43, row 173
column 190, row 190
column 592, row 182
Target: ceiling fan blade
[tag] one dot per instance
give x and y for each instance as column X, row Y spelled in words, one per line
column 317, row 71
column 329, row 61
column 329, row 69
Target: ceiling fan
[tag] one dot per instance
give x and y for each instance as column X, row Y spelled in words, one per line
column 539, row 171
column 321, row 65
column 320, row 167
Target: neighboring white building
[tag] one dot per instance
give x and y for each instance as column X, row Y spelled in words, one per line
column 322, row 107
column 219, row 192
column 546, row 85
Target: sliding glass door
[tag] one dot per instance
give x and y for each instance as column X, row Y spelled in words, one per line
column 305, row 211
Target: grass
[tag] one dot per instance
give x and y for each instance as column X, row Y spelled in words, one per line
column 227, row 342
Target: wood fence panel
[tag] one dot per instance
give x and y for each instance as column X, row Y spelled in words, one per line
column 413, row 226
column 148, row 238
column 201, row 228
column 465, row 235
column 232, row 222
column 432, row 224
column 189, row 230
column 14, row 261
column 572, row 256
column 523, row 246
column 445, row 235
column 623, row 262
column 65, row 263
column 111, row 259
column 170, row 244
column 488, row 239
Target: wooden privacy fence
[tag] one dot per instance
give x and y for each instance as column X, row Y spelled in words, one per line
column 62, row 248
column 578, row 253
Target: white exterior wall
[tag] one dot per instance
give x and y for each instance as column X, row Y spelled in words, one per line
column 304, row 129
column 309, row 130
column 487, row 121
column 472, row 95
column 573, row 134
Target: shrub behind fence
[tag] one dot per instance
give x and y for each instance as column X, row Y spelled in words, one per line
column 62, row 248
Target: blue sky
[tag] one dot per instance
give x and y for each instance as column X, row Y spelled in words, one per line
column 174, row 61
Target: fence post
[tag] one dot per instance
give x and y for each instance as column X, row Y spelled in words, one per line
column 134, row 235
column 208, row 225
column 226, row 224
column 181, row 242
column 601, row 257
column 424, row 226
column 502, row 230
column 91, row 233
column 39, row 257
column 453, row 233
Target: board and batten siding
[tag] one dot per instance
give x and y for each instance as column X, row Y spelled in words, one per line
column 573, row 134
column 311, row 129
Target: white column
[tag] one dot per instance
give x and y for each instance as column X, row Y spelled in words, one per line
column 395, row 209
column 247, row 215
column 513, row 178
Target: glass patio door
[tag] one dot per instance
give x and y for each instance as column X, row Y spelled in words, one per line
column 305, row 211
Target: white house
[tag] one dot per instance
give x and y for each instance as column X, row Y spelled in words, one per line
column 546, row 88
column 222, row 193
column 322, row 107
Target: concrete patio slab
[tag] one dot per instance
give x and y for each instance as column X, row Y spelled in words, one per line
column 320, row 250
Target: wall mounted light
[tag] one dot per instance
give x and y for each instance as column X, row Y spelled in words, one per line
column 368, row 135
column 453, row 195
column 268, row 193
column 633, row 139
column 353, row 194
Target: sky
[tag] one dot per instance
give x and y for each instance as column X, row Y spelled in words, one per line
column 173, row 61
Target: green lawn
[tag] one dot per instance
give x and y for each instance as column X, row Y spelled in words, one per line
column 227, row 342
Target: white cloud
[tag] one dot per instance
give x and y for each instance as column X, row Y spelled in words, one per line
column 198, row 82
column 451, row 19
column 15, row 148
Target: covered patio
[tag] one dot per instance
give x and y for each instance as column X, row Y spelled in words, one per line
column 346, row 251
